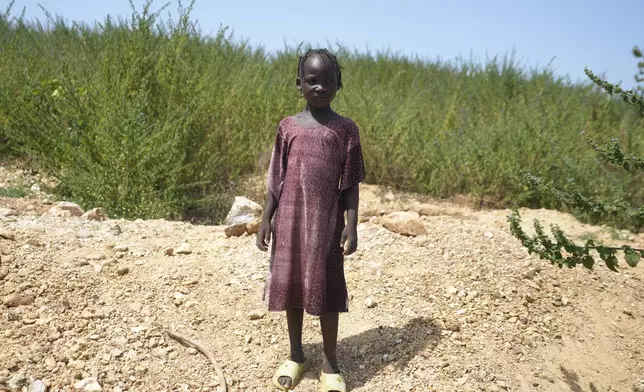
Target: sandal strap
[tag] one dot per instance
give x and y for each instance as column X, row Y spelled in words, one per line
column 332, row 382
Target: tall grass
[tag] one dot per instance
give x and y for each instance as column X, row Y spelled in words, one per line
column 150, row 118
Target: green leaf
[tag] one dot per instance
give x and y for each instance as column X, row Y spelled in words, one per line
column 626, row 165
column 632, row 258
column 588, row 261
column 611, row 263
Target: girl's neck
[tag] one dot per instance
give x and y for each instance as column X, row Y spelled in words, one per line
column 319, row 112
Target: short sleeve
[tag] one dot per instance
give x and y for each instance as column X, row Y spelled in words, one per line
column 353, row 171
column 277, row 166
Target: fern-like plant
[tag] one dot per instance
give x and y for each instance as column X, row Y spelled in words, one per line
column 561, row 250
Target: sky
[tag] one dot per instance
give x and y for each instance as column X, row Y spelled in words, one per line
column 566, row 35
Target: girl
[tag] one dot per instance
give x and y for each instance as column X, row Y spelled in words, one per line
column 313, row 179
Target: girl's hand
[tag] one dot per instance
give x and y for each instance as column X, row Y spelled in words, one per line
column 264, row 236
column 349, row 241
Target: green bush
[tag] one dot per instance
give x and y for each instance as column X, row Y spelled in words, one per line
column 150, row 118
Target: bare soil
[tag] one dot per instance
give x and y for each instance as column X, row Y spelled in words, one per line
column 464, row 308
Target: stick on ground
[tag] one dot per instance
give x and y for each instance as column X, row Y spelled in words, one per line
column 223, row 386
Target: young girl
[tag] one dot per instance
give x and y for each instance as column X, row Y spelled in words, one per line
column 313, row 179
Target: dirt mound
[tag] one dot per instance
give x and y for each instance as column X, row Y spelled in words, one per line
column 462, row 308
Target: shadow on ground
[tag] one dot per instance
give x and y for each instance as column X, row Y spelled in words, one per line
column 362, row 356
column 572, row 379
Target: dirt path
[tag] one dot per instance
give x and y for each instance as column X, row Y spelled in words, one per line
column 461, row 309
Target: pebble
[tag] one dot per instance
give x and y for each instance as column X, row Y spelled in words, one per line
column 37, row 386
column 256, row 315
column 7, row 235
column 7, row 212
column 17, row 382
column 14, row 300
column 192, row 351
column 370, row 303
column 452, row 325
column 451, row 291
column 183, row 249
column 121, row 248
column 638, row 386
column 159, row 352
column 122, row 271
column 89, row 384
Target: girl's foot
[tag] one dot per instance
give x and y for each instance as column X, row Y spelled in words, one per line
column 285, row 381
column 330, row 365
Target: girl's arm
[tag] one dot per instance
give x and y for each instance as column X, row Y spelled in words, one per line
column 264, row 233
column 351, row 198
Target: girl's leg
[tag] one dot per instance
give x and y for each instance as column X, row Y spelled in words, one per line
column 329, row 324
column 294, row 318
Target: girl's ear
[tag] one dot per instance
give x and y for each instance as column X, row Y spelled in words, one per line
column 298, row 84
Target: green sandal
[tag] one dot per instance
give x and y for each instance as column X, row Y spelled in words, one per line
column 292, row 370
column 332, row 382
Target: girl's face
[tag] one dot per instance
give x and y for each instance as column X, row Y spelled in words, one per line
column 318, row 82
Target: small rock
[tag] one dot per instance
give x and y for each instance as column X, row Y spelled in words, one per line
column 406, row 223
column 168, row 251
column 489, row 234
column 451, row 291
column 184, row 249
column 253, row 227
column 4, row 271
column 159, row 352
column 115, row 230
column 15, row 300
column 84, row 234
column 17, row 382
column 638, row 386
column 88, row 385
column 35, row 243
column 122, row 271
column 243, row 211
column 7, row 235
column 35, row 188
column 452, row 325
column 37, row 386
column 96, row 214
column 256, row 315
column 370, row 303
column 192, row 351
column 7, row 212
column 235, row 230
column 65, row 209
column 629, row 313
column 179, row 299
column 121, row 248
column 141, row 370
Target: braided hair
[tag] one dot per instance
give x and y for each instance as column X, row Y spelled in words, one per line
column 327, row 57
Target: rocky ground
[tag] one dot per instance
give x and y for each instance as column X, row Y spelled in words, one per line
column 459, row 306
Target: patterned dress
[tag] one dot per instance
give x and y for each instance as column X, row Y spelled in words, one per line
column 309, row 169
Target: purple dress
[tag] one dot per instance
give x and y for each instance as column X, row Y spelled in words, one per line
column 309, row 169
